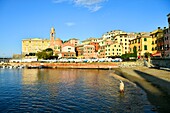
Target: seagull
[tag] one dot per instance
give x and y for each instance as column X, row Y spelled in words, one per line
column 121, row 87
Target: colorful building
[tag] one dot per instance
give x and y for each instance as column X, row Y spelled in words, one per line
column 157, row 42
column 167, row 39
column 96, row 45
column 101, row 52
column 87, row 41
column 80, row 51
column 68, row 51
column 86, row 51
column 75, row 42
column 142, row 44
column 113, row 50
column 89, row 51
column 34, row 45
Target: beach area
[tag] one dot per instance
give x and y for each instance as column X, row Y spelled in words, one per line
column 155, row 82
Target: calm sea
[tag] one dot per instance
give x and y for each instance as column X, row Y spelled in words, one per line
column 68, row 90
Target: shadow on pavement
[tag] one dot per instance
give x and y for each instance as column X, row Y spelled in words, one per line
column 156, row 89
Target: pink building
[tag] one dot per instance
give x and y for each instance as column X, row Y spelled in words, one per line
column 89, row 51
column 68, row 51
column 73, row 42
column 167, row 39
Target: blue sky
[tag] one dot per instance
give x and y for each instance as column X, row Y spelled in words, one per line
column 21, row 19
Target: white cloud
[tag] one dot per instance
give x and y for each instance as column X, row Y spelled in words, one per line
column 69, row 24
column 94, row 8
column 59, row 1
column 88, row 2
column 92, row 5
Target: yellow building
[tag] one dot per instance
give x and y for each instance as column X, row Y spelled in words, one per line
column 123, row 40
column 118, row 45
column 157, row 41
column 114, row 49
column 34, row 45
column 141, row 44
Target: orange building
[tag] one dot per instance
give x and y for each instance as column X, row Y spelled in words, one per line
column 96, row 45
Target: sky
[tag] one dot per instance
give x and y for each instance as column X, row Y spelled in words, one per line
column 81, row 19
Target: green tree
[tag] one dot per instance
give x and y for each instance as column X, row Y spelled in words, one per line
column 147, row 54
column 45, row 54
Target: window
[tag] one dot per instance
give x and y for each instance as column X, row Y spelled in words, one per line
column 112, row 49
column 114, row 45
column 152, row 49
column 145, row 39
column 138, row 40
column 138, row 48
column 152, row 42
column 145, row 47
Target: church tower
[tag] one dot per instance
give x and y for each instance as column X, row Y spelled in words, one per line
column 52, row 38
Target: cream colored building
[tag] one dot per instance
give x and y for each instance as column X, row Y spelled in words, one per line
column 123, row 39
column 87, row 41
column 116, row 43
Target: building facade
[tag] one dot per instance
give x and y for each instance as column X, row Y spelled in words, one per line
column 142, row 44
column 34, row 45
column 68, row 51
column 167, row 39
column 157, row 42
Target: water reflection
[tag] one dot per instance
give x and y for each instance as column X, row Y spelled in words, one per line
column 69, row 90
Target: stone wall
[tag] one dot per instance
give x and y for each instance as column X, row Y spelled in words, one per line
column 161, row 62
column 132, row 64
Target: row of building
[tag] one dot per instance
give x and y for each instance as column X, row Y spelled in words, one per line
column 111, row 44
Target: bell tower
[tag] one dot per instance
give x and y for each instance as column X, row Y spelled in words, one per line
column 52, row 38
column 52, row 34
